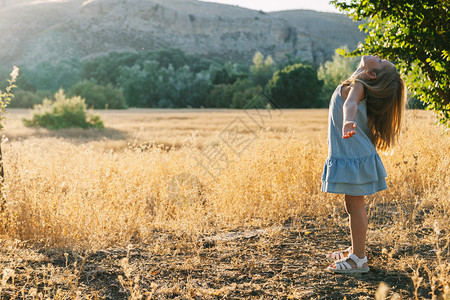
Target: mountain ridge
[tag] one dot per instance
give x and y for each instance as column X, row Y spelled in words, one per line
column 64, row 29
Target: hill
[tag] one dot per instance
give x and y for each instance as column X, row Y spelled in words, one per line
column 35, row 31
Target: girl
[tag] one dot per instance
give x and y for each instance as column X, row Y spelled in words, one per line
column 365, row 114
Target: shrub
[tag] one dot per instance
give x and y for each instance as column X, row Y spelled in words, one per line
column 62, row 113
column 98, row 96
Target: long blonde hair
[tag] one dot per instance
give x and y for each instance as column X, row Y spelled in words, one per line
column 385, row 98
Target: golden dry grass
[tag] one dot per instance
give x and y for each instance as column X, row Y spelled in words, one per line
column 164, row 180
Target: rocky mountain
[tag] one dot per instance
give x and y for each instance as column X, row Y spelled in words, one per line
column 39, row 30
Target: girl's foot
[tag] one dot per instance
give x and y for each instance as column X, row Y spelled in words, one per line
column 339, row 255
column 351, row 264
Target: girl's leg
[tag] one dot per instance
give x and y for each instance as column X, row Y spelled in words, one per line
column 354, row 206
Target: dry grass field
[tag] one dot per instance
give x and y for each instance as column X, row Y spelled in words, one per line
column 214, row 204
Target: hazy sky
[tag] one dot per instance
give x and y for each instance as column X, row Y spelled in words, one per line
column 276, row 5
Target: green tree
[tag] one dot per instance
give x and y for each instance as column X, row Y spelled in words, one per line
column 245, row 94
column 28, row 99
column 53, row 76
column 334, row 72
column 415, row 35
column 155, row 86
column 295, row 86
column 236, row 95
column 226, row 73
column 262, row 69
column 105, row 69
column 98, row 96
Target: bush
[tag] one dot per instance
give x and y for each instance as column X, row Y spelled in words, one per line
column 62, row 113
column 98, row 96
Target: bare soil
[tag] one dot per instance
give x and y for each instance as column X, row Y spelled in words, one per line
column 282, row 262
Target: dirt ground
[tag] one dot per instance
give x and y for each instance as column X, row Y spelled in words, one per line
column 282, row 262
column 408, row 239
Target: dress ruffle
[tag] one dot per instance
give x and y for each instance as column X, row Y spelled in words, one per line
column 354, row 176
column 360, row 170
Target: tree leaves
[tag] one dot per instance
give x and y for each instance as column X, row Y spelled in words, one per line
column 409, row 33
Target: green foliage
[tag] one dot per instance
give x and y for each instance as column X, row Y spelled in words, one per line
column 62, row 113
column 236, row 95
column 161, row 87
column 5, row 97
column 245, row 94
column 227, row 73
column 106, row 69
column 295, row 86
column 220, row 96
column 52, row 77
column 4, row 73
column 164, row 79
column 415, row 34
column 332, row 73
column 262, row 69
column 28, row 99
column 98, row 96
column 415, row 103
column 178, row 59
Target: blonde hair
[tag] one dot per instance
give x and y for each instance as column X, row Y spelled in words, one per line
column 385, row 98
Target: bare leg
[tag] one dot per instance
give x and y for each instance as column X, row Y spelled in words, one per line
column 354, row 206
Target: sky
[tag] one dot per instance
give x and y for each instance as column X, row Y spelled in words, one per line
column 277, row 5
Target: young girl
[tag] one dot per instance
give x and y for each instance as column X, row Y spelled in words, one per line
column 365, row 114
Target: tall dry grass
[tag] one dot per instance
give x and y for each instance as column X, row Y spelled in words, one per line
column 78, row 188
column 146, row 173
column 68, row 191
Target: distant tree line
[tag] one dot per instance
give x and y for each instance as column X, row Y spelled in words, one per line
column 173, row 79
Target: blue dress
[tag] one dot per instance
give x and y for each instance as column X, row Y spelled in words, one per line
column 353, row 166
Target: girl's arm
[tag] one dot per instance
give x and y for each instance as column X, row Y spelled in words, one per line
column 355, row 95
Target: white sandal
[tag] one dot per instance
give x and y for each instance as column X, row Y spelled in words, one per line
column 343, row 267
column 339, row 255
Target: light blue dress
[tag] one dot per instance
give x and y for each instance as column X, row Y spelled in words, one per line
column 353, row 166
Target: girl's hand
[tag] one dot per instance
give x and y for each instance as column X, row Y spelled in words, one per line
column 348, row 130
